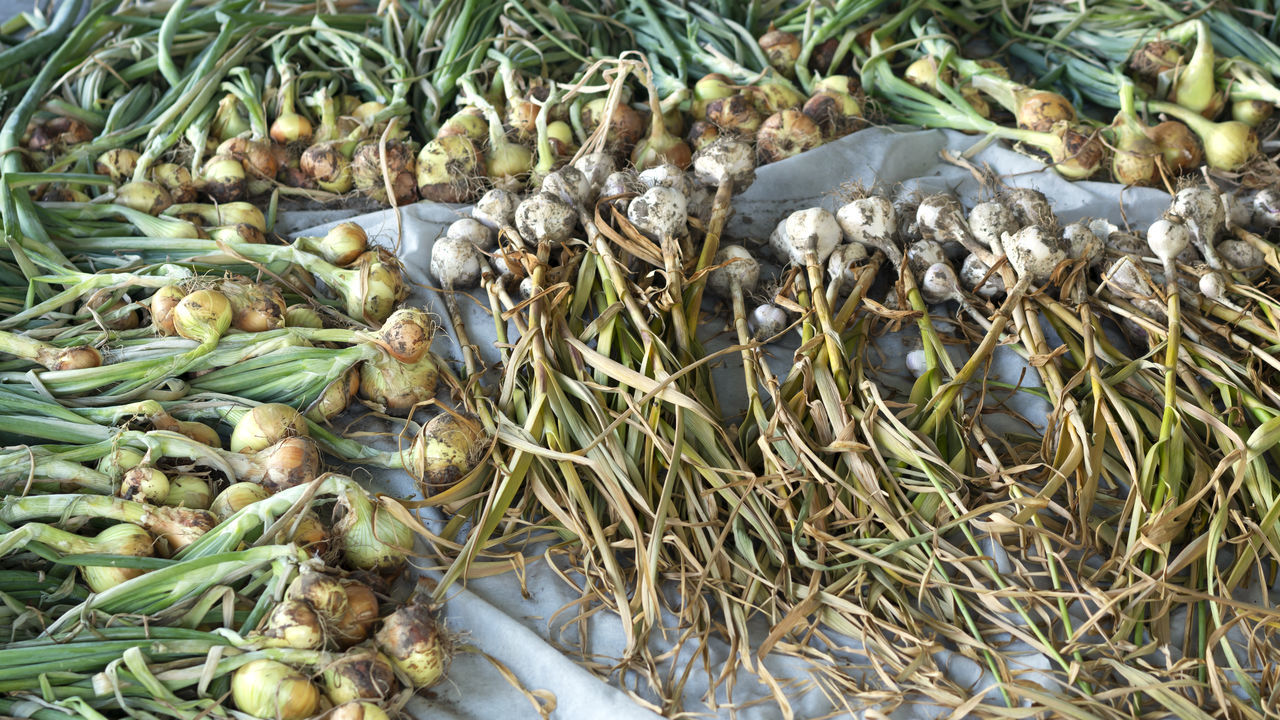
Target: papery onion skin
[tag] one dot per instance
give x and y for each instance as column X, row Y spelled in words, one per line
column 362, row 610
column 323, row 593
column 288, row 463
column 447, row 449
column 237, row 496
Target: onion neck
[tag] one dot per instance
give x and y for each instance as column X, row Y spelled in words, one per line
column 1196, row 87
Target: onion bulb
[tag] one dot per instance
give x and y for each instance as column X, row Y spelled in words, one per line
column 144, row 196
column 447, row 169
column 119, row 461
column 786, row 134
column 812, row 230
column 362, row 611
column 371, row 538
column 119, row 539
column 781, row 49
column 1251, row 112
column 369, row 177
column 446, row 449
column 224, row 179
column 395, row 386
column 335, row 398
column 1178, row 145
column 236, row 497
column 625, row 126
column 255, row 307
column 360, row 674
column 203, row 316
column 265, row 425
column 188, row 491
column 710, row 87
column 734, row 115
column 374, row 287
column 118, row 164
column 836, row 114
column 322, row 593
column 145, row 485
column 407, row 334
column 292, row 624
column 288, row 463
column 358, row 711
column 343, row 244
column 270, row 689
column 416, row 646
column 701, row 134
column 302, row 316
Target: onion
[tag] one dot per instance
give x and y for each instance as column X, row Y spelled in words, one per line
column 374, row 287
column 265, row 425
column 72, row 358
column 1252, row 112
column 224, row 179
column 335, row 398
column 447, row 169
column 395, row 386
column 371, row 537
column 1041, row 111
column 145, row 485
column 270, row 689
column 302, row 316
column 57, row 192
column 836, row 114
column 625, row 126
column 701, row 134
column 414, row 643
column 258, row 159
column 104, row 302
column 119, row 164
column 360, row 674
column 143, row 196
column 1178, row 145
column 203, row 316
column 444, row 451
column 188, row 491
column 781, row 49
column 328, row 166
column 710, row 87
column 236, row 497
column 119, row 461
column 1227, row 145
column 560, row 135
column 368, row 175
column 468, row 122
column 59, row 132
column 407, row 334
column 1195, row 87
column 237, row 233
column 288, row 463
column 292, row 624
column 343, row 244
column 322, row 593
column 923, row 72
column 357, row 622
column 254, row 307
column 225, row 214
column 310, row 534
column 734, row 115
column 119, row 539
column 772, row 97
column 785, row 134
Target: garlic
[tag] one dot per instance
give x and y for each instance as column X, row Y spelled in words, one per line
column 570, row 185
column 474, row 232
column 972, row 273
column 1200, row 208
column 939, row 284
column 667, row 176
column 844, row 260
column 496, row 209
column 725, row 160
column 1030, row 206
column 924, row 253
column 1034, row 252
column 595, row 167
column 1266, row 208
column 990, row 220
column 543, row 217
column 767, row 321
column 811, row 230
column 455, row 263
column 659, row 212
column 738, row 271
column 1082, row 244
column 871, row 221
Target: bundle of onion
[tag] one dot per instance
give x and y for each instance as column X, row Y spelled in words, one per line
column 269, row 689
column 123, row 539
column 414, row 642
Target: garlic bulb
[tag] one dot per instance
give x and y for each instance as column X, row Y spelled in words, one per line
column 474, row 232
column 496, row 209
column 767, row 321
column 989, row 221
column 972, row 273
column 924, row 253
column 659, row 212
column 1034, row 252
column 725, row 160
column 455, row 264
column 811, row 230
column 544, row 217
column 739, row 272
column 871, row 221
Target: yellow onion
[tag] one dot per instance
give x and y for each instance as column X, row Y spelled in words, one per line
column 72, row 358
column 781, row 49
column 223, row 178
column 447, row 169
column 57, row 192
column 302, row 316
column 624, row 128
column 358, row 711
column 232, row 213
column 188, row 491
column 203, row 316
column 979, row 104
column 257, row 157
column 1077, row 155
column 773, row 97
column 369, row 177
column 1227, row 145
column 255, row 307
column 145, row 485
column 175, row 179
column 923, row 73
column 362, row 611
column 57, row 133
column 328, row 166
column 1178, row 145
column 105, row 302
column 734, row 115
column 199, row 432
column 1196, row 85
column 180, row 526
column 1155, row 60
column 701, row 134
column 322, row 593
column 412, row 640
column 407, row 334
column 1135, row 161
column 839, row 83
column 371, row 538
column 292, row 624
column 229, row 121
column 237, row 233
column 1251, row 112
column 118, row 164
column 446, row 449
column 143, row 196
column 265, row 425
column 468, row 122
column 1040, row 111
column 398, row 387
column 119, row 539
column 560, row 135
column 343, row 244
column 707, row 88
column 360, row 674
column 310, row 534
column 119, row 461
column 288, row 463
column 835, row 113
column 786, row 134
column 335, row 397
column 270, row 689
column 375, row 287
column 236, row 497
column 521, row 117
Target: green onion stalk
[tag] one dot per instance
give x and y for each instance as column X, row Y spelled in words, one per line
column 177, row 525
column 81, row 284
